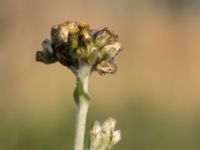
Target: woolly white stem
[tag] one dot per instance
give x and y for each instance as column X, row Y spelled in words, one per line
column 81, row 124
column 83, row 105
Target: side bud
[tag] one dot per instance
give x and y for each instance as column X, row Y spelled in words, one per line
column 104, row 137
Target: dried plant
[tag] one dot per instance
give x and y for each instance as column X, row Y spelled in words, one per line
column 83, row 51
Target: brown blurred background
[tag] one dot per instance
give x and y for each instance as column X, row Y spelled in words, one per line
column 155, row 95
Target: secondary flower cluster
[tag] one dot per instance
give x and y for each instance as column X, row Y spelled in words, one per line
column 103, row 137
column 74, row 44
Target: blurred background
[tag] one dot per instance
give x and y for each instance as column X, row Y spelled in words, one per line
column 155, row 94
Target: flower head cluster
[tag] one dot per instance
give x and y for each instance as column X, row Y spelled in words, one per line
column 73, row 44
column 103, row 137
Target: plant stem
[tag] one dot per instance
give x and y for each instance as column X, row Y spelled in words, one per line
column 82, row 100
column 80, row 125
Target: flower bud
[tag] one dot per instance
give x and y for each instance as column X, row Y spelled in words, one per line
column 116, row 137
column 85, row 31
column 111, row 50
column 96, row 128
column 59, row 34
column 102, row 37
column 106, row 67
column 46, row 45
column 73, row 27
column 109, row 125
column 46, row 55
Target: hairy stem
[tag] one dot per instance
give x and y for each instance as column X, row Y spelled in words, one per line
column 82, row 100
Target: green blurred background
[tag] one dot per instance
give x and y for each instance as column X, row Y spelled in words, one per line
column 155, row 95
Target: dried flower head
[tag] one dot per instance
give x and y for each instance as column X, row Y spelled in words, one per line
column 73, row 44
